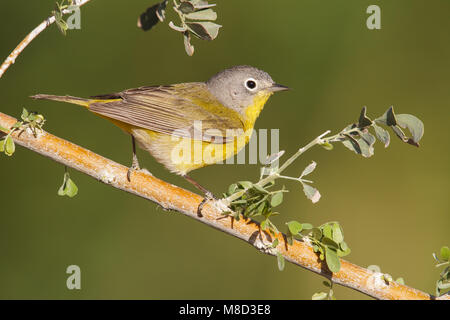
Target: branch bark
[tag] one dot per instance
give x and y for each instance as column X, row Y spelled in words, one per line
column 174, row 198
column 30, row 37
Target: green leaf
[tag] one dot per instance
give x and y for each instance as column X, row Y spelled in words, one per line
column 276, row 199
column 311, row 193
column 207, row 14
column 445, row 253
column 382, row 135
column 25, row 114
column 4, row 130
column 310, row 168
column 2, row 145
column 200, row 4
column 443, row 285
column 281, row 262
column 343, row 245
column 327, row 231
column 363, row 121
column 294, row 227
column 332, row 260
column 352, row 144
column 338, row 237
column 374, row 268
column 250, row 210
column 343, row 253
column 414, row 125
column 186, row 7
column 204, row 30
column 307, row 226
column 330, row 243
column 366, row 143
column 319, row 296
column 264, row 224
column 400, row 281
column 399, row 133
column 10, row 147
column 187, row 43
column 275, row 243
column 232, row 188
column 272, row 227
column 152, row 16
column 71, row 188
column 17, row 125
column 260, row 189
column 246, row 184
column 68, row 188
column 261, row 207
column 316, row 233
column 60, row 23
column 388, row 118
column 327, row 146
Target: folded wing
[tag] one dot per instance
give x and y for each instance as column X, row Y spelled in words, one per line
column 183, row 110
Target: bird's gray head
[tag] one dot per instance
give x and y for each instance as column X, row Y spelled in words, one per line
column 237, row 87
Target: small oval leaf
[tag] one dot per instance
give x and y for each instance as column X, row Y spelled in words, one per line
column 10, row 147
column 332, row 260
column 204, row 30
column 276, row 199
column 294, row 227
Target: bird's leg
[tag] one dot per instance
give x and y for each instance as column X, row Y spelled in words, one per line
column 135, row 163
column 208, row 194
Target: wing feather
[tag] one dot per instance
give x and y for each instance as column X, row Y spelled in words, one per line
column 172, row 110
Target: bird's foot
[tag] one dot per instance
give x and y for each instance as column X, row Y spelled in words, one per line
column 208, row 197
column 134, row 167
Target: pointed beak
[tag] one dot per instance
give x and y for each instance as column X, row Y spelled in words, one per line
column 278, row 87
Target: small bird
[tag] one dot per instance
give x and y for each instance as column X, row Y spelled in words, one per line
column 187, row 126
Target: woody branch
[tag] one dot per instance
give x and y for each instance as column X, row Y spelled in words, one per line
column 33, row 34
column 174, row 198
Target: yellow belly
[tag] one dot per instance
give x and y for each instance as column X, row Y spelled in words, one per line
column 181, row 155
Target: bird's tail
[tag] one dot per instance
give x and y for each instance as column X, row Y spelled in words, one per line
column 75, row 100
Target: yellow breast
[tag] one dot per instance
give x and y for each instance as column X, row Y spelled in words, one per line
column 181, row 155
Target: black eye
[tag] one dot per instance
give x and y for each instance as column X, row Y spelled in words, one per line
column 251, row 84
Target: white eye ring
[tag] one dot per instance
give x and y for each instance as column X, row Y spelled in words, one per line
column 250, row 84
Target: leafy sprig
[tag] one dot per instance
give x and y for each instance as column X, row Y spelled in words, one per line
column 325, row 295
column 195, row 17
column 32, row 121
column 386, row 276
column 252, row 200
column 355, row 137
column 256, row 201
column 58, row 14
column 327, row 241
column 68, row 188
column 443, row 283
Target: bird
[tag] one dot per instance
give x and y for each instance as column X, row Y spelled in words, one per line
column 187, row 126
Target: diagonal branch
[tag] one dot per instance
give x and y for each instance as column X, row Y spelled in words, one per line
column 30, row 37
column 174, row 198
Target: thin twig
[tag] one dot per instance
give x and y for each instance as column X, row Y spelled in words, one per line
column 174, row 198
column 30, row 37
column 276, row 174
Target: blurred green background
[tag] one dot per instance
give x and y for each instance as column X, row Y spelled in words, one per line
column 394, row 207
